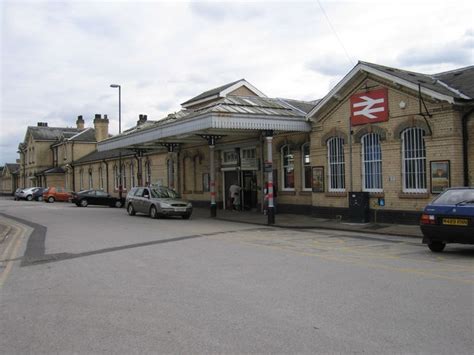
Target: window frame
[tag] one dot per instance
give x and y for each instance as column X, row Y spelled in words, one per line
column 420, row 170
column 340, row 178
column 305, row 166
column 284, row 167
column 375, row 165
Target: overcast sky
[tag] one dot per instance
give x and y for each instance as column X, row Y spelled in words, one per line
column 59, row 57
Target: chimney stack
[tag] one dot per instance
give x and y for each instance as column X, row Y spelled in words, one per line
column 141, row 119
column 101, row 127
column 80, row 122
column 42, row 124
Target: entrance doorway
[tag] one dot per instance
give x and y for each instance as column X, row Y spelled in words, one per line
column 230, row 177
column 249, row 189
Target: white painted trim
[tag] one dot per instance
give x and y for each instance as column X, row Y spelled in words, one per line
column 239, row 84
column 363, row 67
column 78, row 134
column 206, row 122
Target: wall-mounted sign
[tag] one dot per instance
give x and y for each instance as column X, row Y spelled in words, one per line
column 369, row 107
column 318, row 179
column 440, row 176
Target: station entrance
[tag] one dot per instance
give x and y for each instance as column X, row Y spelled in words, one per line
column 247, row 180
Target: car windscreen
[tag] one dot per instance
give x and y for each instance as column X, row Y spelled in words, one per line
column 164, row 193
column 453, row 197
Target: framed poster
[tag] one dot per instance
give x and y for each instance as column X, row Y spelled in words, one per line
column 440, row 176
column 318, row 179
column 206, row 182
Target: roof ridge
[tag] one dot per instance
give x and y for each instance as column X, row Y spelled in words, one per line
column 454, row 70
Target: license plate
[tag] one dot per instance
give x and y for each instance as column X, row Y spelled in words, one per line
column 180, row 209
column 455, row 221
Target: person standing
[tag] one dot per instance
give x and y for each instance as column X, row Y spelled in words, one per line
column 234, row 193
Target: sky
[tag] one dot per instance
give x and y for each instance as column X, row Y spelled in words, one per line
column 58, row 58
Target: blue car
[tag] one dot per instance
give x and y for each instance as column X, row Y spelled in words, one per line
column 449, row 218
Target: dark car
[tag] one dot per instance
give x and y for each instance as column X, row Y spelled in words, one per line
column 449, row 219
column 38, row 194
column 156, row 202
column 95, row 197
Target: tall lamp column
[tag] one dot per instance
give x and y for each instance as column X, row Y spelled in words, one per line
column 120, row 131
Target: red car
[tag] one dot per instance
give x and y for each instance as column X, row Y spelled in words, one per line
column 52, row 194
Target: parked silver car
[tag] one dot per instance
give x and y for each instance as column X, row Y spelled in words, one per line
column 27, row 193
column 156, row 202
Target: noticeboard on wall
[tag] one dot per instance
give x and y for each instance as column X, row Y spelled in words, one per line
column 318, row 178
column 440, row 176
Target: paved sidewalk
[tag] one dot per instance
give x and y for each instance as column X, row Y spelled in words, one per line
column 287, row 220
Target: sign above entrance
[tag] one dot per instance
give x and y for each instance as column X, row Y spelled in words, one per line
column 369, row 107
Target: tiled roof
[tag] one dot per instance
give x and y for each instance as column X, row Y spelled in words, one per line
column 99, row 156
column 305, row 106
column 461, row 79
column 52, row 133
column 211, row 92
column 435, row 82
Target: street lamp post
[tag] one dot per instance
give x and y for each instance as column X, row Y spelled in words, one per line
column 120, row 131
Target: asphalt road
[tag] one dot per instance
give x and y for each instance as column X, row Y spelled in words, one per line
column 95, row 280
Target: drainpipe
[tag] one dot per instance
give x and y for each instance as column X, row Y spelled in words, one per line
column 72, row 165
column 465, row 151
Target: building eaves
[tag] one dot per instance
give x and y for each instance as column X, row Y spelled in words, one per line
column 96, row 156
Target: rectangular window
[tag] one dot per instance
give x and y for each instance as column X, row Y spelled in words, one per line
column 306, row 164
column 288, row 168
column 229, row 157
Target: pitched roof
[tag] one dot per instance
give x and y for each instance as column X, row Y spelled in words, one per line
column 109, row 154
column 211, row 92
column 305, row 106
column 222, row 91
column 52, row 133
column 451, row 86
column 461, row 79
column 12, row 167
column 87, row 135
column 433, row 82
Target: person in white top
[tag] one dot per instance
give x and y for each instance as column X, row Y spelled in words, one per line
column 234, row 192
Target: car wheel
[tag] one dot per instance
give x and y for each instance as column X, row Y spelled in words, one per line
column 50, row 199
column 29, row 197
column 187, row 216
column 131, row 210
column 40, row 198
column 436, row 247
column 84, row 203
column 153, row 212
column 118, row 204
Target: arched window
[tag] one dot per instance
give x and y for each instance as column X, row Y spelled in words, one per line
column 371, row 163
column 124, row 177
column 116, row 177
column 132, row 175
column 148, row 172
column 81, row 179
column 101, row 178
column 306, row 167
column 287, row 168
column 414, row 160
column 336, row 166
column 90, row 178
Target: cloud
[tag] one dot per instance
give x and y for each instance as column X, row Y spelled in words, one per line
column 218, row 11
column 457, row 52
column 329, row 65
